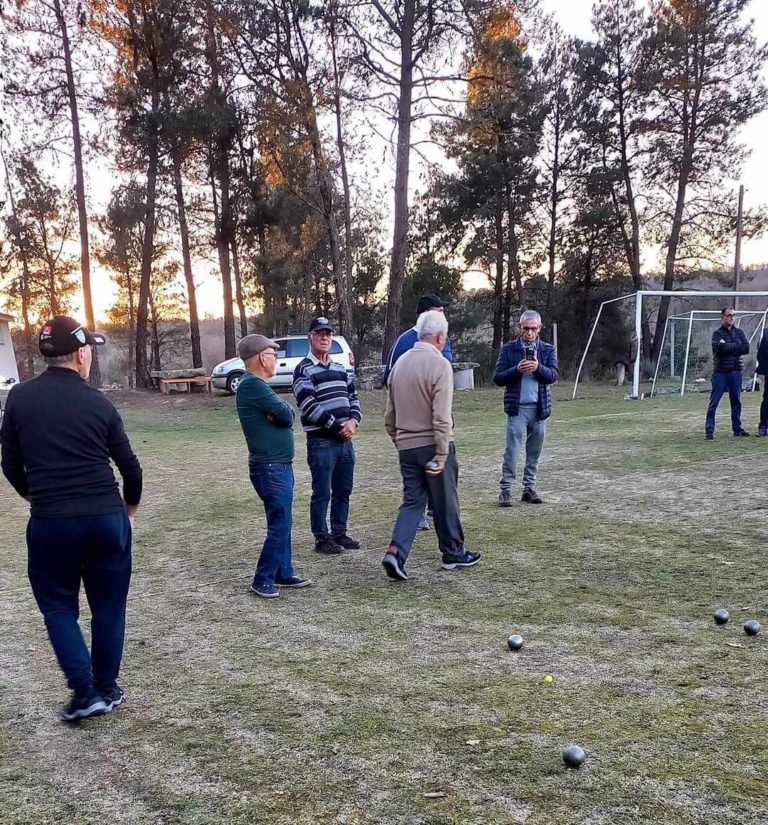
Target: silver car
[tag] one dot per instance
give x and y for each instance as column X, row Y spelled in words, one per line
column 293, row 348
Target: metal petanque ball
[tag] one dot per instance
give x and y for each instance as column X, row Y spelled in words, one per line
column 752, row 627
column 722, row 616
column 515, row 642
column 574, row 756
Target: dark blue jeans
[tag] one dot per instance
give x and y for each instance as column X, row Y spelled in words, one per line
column 332, row 464
column 723, row 382
column 764, row 405
column 274, row 485
column 96, row 550
column 444, row 494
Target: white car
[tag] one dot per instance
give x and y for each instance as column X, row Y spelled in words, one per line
column 293, row 348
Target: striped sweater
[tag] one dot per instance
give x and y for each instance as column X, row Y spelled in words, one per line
column 326, row 397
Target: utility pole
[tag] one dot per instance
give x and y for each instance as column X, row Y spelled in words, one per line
column 737, row 263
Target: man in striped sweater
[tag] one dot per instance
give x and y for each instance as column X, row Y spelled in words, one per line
column 330, row 415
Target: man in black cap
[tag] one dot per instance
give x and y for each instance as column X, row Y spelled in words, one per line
column 407, row 341
column 330, row 415
column 57, row 438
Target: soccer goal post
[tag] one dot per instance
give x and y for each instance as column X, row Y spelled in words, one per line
column 641, row 296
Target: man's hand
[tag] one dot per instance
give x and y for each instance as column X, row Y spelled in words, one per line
column 435, row 466
column 526, row 366
column 347, row 432
column 131, row 510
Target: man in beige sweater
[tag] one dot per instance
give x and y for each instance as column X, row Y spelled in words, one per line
column 419, row 420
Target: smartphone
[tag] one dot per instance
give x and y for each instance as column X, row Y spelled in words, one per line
column 530, row 354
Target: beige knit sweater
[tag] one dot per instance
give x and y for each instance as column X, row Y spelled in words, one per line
column 420, row 400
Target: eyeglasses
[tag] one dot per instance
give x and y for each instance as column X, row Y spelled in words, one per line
column 529, row 329
column 323, row 333
column 269, row 352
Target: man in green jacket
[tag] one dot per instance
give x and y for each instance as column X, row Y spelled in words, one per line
column 267, row 423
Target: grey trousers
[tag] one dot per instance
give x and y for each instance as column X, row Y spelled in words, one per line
column 523, row 426
column 444, row 494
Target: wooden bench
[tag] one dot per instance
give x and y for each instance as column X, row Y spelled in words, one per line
column 200, row 380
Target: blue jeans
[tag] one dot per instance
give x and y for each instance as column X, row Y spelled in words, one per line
column 723, row 382
column 443, row 492
column 274, row 486
column 332, row 464
column 94, row 550
column 525, row 425
column 764, row 405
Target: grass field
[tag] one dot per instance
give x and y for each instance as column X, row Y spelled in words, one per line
column 350, row 701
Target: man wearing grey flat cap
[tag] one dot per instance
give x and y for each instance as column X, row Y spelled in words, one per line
column 267, row 423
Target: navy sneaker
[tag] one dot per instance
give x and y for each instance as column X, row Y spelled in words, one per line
column 81, row 707
column 294, row 581
column 464, row 560
column 741, row 434
column 347, row 542
column 114, row 697
column 394, row 566
column 762, row 432
column 505, row 498
column 266, row 591
column 327, row 546
column 710, row 436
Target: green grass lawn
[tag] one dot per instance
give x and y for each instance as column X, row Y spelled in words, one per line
column 350, row 701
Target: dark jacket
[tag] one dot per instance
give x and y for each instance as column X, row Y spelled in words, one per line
column 58, row 437
column 405, row 342
column 727, row 356
column 762, row 355
column 508, row 376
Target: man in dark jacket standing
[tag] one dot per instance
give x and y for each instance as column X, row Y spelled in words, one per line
column 729, row 344
column 526, row 367
column 58, row 436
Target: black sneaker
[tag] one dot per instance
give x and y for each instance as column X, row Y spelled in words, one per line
column 343, row 540
column 710, row 436
column 530, row 496
column 81, row 707
column 294, row 581
column 394, row 566
column 505, row 498
column 741, row 434
column 327, row 546
column 114, row 697
column 464, row 560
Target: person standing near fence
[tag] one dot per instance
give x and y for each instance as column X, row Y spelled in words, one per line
column 267, row 423
column 57, row 438
column 729, row 344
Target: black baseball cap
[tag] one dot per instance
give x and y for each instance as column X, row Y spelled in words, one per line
column 427, row 302
column 320, row 323
column 63, row 335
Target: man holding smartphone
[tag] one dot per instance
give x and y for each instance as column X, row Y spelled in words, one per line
column 526, row 368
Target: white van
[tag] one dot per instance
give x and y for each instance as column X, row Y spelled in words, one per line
column 293, row 348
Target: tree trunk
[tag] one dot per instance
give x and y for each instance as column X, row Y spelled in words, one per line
column 155, row 338
column 498, row 288
column 239, row 290
column 402, row 167
column 131, row 331
column 554, row 202
column 147, row 253
column 194, row 322
column 348, row 260
column 82, row 214
column 220, row 164
column 22, row 252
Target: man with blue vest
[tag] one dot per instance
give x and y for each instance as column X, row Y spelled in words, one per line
column 526, row 368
